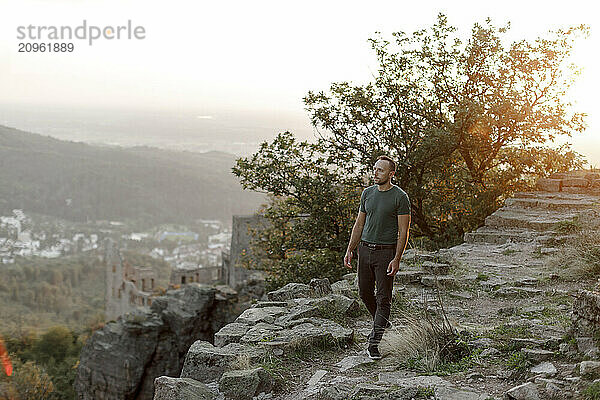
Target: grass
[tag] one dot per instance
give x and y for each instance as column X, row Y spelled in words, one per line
column 517, row 364
column 506, row 332
column 579, row 257
column 592, row 392
column 569, row 226
column 427, row 343
column 482, row 277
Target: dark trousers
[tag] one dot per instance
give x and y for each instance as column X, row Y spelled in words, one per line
column 372, row 272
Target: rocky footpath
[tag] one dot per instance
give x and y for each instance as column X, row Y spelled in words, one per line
column 121, row 360
column 531, row 329
column 308, row 333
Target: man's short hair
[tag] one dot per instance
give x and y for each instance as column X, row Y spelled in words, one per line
column 390, row 161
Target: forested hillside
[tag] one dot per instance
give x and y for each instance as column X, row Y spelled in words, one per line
column 83, row 182
column 37, row 293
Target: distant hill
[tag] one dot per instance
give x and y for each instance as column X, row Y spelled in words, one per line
column 83, row 182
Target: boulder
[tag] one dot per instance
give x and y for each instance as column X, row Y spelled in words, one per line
column 342, row 287
column 167, row 388
column 245, row 384
column 320, row 287
column 252, row 316
column 290, row 291
column 260, row 332
column 230, row 333
column 537, row 355
column 546, row 369
column 590, row 369
column 526, row 391
column 206, row 363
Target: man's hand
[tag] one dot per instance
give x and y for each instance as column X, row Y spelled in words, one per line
column 347, row 259
column 393, row 267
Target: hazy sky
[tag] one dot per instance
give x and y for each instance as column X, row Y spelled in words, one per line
column 263, row 56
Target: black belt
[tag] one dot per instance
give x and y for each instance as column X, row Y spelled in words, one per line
column 375, row 246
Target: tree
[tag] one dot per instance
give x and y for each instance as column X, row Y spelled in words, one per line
column 468, row 123
column 312, row 203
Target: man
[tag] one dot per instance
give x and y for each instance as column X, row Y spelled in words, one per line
column 382, row 229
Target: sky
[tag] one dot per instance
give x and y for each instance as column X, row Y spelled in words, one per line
column 251, row 57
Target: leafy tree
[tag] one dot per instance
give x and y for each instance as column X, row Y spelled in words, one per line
column 28, row 382
column 312, row 204
column 468, row 122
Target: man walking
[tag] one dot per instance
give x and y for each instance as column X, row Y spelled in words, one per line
column 382, row 229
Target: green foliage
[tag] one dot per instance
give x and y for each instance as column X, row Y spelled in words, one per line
column 467, row 122
column 28, row 382
column 46, row 363
column 592, row 392
column 425, row 393
column 569, row 226
column 517, row 362
column 505, row 332
column 482, row 277
column 303, row 266
column 38, row 293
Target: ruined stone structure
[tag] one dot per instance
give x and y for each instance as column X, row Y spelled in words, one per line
column 191, row 272
column 127, row 287
column 232, row 274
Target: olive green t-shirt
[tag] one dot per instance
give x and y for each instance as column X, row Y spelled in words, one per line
column 382, row 209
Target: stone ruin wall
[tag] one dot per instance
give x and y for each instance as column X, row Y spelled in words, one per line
column 571, row 182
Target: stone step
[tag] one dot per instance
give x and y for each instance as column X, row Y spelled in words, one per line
column 556, row 196
column 500, row 236
column 435, row 268
column 445, row 281
column 506, row 217
column 551, row 203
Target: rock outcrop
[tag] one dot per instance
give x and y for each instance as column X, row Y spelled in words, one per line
column 293, row 317
column 122, row 360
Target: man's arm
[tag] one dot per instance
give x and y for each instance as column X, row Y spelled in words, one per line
column 403, row 227
column 355, row 237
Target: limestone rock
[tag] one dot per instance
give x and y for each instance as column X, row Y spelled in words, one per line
column 517, row 291
column 290, row 291
column 537, row 355
column 230, row 333
column 124, row 357
column 206, row 363
column 589, row 369
column 252, row 316
column 441, row 280
column 352, row 361
column 340, row 334
column 342, row 287
column 409, row 276
column 587, row 346
column 167, row 388
column 549, row 185
column 245, row 384
column 526, row 391
column 546, row 369
column 260, row 332
column 320, row 287
column 435, row 268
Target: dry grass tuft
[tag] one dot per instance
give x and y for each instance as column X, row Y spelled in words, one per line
column 579, row 257
column 426, row 341
column 241, row 361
